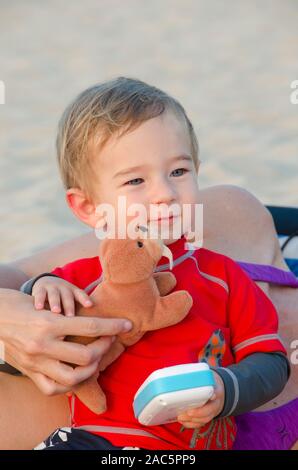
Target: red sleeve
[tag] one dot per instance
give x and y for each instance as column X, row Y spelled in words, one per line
column 252, row 316
column 81, row 273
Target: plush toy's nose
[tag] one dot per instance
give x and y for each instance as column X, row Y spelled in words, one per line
column 165, row 251
column 154, row 249
column 157, row 249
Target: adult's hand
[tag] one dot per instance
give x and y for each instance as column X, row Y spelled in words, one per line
column 33, row 342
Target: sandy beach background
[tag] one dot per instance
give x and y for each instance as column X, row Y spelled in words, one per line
column 230, row 64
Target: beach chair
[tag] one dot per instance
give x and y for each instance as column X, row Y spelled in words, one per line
column 286, row 224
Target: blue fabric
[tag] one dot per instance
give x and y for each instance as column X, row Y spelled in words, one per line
column 293, row 265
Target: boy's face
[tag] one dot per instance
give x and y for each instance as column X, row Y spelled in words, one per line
column 151, row 165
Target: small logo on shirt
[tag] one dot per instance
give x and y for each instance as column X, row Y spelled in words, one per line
column 214, row 350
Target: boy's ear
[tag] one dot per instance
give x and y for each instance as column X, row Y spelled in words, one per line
column 81, row 206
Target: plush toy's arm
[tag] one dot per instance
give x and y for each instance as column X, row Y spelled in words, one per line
column 165, row 282
column 170, row 309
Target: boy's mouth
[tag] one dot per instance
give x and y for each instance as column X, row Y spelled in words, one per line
column 162, row 219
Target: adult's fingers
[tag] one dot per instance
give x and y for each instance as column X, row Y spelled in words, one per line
column 66, row 375
column 47, row 385
column 89, row 326
column 79, row 354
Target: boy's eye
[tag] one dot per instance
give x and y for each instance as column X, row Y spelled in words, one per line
column 135, row 181
column 179, row 172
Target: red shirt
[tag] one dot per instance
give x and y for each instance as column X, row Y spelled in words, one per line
column 230, row 319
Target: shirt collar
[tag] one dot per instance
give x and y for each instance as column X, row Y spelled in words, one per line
column 181, row 250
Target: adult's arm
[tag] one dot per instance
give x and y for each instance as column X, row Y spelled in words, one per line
column 11, row 277
column 84, row 246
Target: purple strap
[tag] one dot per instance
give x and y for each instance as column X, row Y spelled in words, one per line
column 271, row 274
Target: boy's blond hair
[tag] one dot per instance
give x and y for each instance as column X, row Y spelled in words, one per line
column 110, row 108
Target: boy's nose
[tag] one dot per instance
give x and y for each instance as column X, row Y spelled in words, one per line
column 163, row 193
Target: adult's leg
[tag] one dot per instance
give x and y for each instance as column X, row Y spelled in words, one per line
column 27, row 416
column 238, row 225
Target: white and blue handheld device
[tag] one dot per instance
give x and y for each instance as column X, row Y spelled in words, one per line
column 168, row 392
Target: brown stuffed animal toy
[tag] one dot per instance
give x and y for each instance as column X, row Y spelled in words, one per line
column 130, row 289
